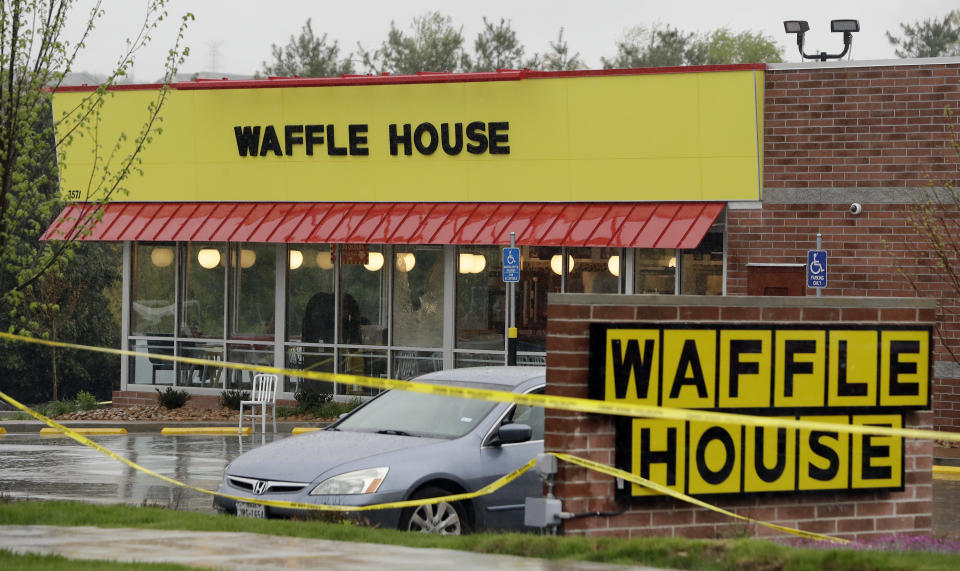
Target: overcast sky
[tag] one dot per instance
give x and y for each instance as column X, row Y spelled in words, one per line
column 234, row 36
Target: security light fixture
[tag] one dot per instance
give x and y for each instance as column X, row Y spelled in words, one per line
column 800, row 27
column 796, row 26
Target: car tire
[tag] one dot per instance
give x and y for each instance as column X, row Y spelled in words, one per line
column 445, row 518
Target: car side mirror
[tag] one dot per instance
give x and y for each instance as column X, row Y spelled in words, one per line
column 513, row 433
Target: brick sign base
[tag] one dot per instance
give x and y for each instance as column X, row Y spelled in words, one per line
column 859, row 515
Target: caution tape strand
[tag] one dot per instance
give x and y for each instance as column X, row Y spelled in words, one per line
column 572, row 404
column 596, row 466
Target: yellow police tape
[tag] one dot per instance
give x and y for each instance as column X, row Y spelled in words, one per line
column 555, row 402
column 596, row 466
column 545, row 401
column 489, row 488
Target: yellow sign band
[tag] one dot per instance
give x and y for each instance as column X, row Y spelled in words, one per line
column 546, row 401
column 591, row 465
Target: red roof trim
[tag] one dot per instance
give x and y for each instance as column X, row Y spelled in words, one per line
column 423, row 77
column 603, row 224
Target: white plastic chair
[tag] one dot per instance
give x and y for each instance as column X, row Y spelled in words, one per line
column 264, row 395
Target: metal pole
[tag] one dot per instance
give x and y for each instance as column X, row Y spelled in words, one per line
column 819, row 247
column 511, row 315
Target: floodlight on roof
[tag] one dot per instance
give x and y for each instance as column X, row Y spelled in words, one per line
column 844, row 26
column 800, row 27
column 796, row 26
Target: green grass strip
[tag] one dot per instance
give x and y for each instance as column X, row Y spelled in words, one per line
column 658, row 552
column 33, row 562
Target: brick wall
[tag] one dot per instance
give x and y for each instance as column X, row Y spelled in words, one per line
column 862, row 515
column 875, row 135
column 859, row 127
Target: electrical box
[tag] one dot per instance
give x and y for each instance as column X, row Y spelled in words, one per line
column 541, row 512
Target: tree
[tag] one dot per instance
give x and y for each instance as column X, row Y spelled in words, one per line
column 434, row 45
column 660, row 46
column 558, row 58
column 308, row 56
column 35, row 55
column 723, row 46
column 497, row 47
column 935, row 217
column 656, row 46
column 929, row 38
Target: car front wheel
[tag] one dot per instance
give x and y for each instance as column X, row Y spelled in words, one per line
column 445, row 518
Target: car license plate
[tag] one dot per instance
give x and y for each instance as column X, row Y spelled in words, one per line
column 251, row 510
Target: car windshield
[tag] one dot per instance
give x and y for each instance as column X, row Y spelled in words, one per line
column 416, row 414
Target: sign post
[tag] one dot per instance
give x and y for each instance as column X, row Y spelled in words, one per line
column 511, row 275
column 817, row 267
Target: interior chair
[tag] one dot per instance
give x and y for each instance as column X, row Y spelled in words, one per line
column 264, row 395
column 159, row 348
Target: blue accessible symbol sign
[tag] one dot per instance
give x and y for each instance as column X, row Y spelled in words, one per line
column 817, row 268
column 511, row 264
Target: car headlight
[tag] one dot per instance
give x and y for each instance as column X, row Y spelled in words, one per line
column 359, row 482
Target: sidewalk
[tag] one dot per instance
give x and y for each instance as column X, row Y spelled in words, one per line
column 225, row 550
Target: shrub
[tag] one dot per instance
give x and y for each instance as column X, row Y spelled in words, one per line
column 231, row 398
column 56, row 408
column 86, row 401
column 172, row 398
column 311, row 402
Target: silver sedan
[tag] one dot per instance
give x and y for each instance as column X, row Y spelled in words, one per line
column 404, row 445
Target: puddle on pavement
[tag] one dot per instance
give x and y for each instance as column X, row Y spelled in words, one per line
column 58, row 468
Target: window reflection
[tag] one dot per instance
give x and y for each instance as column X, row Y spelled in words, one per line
column 480, row 299
column 418, row 296
column 590, row 271
column 153, row 289
column 537, row 279
column 363, row 301
column 655, row 271
column 701, row 270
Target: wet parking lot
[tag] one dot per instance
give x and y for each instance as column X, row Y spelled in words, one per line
column 57, row 468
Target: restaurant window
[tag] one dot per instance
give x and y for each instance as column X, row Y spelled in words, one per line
column 480, row 308
column 153, row 289
column 540, row 271
column 153, row 312
column 202, row 287
column 593, row 270
column 311, row 307
column 418, row 296
column 363, row 311
column 252, row 270
column 655, row 271
column 701, row 269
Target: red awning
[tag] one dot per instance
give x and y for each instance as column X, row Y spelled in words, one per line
column 612, row 224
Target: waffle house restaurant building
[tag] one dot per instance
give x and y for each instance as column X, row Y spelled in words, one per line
column 356, row 224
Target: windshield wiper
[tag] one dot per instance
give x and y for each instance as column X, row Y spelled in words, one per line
column 395, row 432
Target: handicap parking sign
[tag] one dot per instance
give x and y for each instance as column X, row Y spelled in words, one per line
column 817, row 268
column 511, row 264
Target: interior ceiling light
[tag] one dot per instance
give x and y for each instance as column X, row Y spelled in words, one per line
column 208, row 257
column 296, row 259
column 161, row 257
column 374, row 261
column 325, row 260
column 556, row 262
column 406, row 261
column 247, row 258
column 472, row 263
column 613, row 264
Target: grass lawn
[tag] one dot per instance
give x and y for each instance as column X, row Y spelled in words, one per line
column 657, row 552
